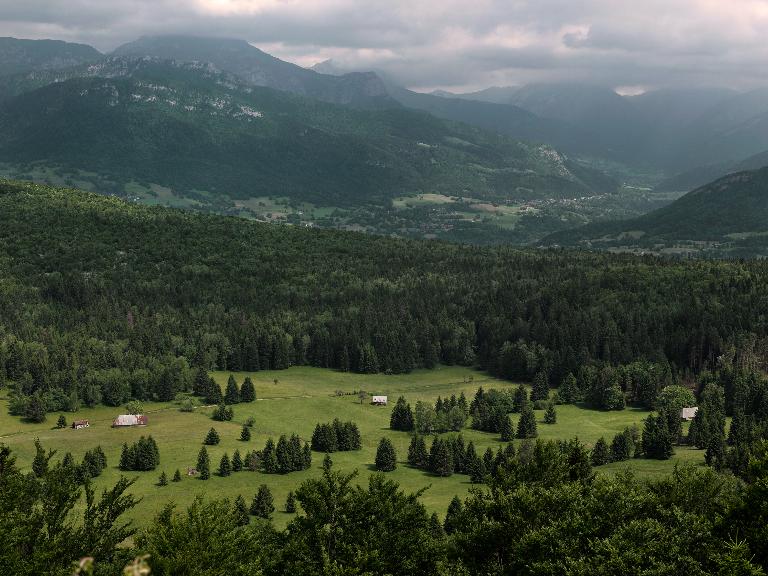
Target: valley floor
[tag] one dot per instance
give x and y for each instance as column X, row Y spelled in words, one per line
column 295, row 400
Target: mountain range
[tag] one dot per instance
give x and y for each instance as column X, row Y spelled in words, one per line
column 217, row 124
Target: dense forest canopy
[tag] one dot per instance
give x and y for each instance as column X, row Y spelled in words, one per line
column 101, row 300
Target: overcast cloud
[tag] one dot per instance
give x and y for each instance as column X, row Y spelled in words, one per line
column 448, row 43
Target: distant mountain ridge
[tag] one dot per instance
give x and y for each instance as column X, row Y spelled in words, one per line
column 20, row 56
column 255, row 67
column 727, row 216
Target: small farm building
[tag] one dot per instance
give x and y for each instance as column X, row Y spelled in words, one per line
column 688, row 413
column 129, row 420
column 77, row 424
column 379, row 400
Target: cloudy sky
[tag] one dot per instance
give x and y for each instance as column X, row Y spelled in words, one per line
column 467, row 44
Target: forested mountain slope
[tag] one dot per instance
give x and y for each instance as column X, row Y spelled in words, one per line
column 194, row 129
column 729, row 215
column 99, row 297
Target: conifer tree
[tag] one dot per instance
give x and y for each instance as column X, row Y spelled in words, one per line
column 440, row 461
column 715, row 454
column 453, row 519
column 520, row 399
column 212, row 438
column 232, row 394
column 237, row 461
column 550, row 416
column 568, row 390
column 240, row 510
column 507, row 430
column 540, row 389
column 386, row 459
column 269, row 458
column 600, row 453
column 290, row 503
column 462, row 403
column 476, row 469
column 163, row 481
column 213, row 392
column 245, row 434
column 657, row 440
column 402, row 416
column 203, row 464
column 61, row 422
column 223, row 413
column 177, row 476
column 40, row 462
column 622, row 446
column 263, row 503
column 68, row 461
column 283, row 455
column 200, row 386
column 127, row 458
column 247, row 391
column 526, row 426
column 225, row 466
column 488, row 458
column 306, row 457
column 417, row 452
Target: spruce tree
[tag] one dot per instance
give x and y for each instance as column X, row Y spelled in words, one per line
column 386, row 459
column 540, row 389
column 453, row 519
column 520, row 399
column 231, row 393
column 163, row 481
column 269, row 458
column 283, row 455
column 657, row 440
column 176, row 476
column 40, row 462
column 306, row 459
column 568, row 390
column 225, row 466
column 507, row 430
column 622, row 446
column 240, row 511
column 61, row 422
column 263, row 503
column 526, row 426
column 247, row 391
column 213, row 392
column 290, row 503
column 127, row 457
column 237, row 461
column 402, row 416
column 550, row 416
column 245, row 434
column 200, row 385
column 417, row 452
column 203, row 464
column 212, row 438
column 477, row 471
column 600, row 453
column 222, row 413
column 68, row 461
column 440, row 461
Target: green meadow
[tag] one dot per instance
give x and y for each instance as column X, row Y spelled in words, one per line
column 295, row 400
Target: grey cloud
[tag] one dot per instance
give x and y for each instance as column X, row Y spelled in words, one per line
column 453, row 43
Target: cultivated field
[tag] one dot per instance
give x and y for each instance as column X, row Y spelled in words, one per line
column 295, row 400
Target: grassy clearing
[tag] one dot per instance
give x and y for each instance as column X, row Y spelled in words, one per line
column 294, row 401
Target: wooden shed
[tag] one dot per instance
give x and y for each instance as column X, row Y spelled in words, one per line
column 78, row 424
column 129, row 420
column 379, row 400
column 688, row 414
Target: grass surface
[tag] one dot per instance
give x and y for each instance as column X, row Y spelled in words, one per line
column 295, row 400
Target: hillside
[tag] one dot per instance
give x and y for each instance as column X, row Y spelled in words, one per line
column 726, row 217
column 255, row 67
column 210, row 141
column 20, row 56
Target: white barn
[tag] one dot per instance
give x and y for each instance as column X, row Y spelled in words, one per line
column 688, row 413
